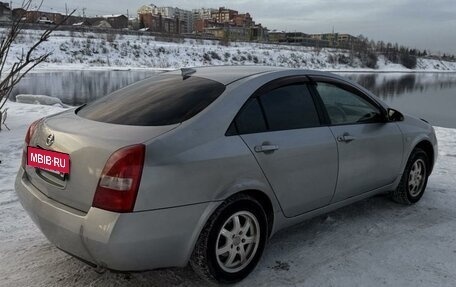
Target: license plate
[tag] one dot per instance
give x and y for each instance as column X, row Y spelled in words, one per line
column 48, row 160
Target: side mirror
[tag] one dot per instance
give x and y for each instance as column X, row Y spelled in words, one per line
column 394, row 115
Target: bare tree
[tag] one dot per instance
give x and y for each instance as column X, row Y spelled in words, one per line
column 12, row 73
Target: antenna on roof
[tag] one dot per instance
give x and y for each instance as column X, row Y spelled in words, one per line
column 186, row 72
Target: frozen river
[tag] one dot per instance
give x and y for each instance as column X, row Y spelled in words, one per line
column 431, row 96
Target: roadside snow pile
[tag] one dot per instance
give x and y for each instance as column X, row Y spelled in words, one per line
column 20, row 116
column 375, row 242
column 77, row 50
column 40, row 100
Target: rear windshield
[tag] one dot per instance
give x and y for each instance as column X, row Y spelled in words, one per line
column 158, row 101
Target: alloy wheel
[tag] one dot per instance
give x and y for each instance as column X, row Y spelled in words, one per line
column 237, row 241
column 417, row 176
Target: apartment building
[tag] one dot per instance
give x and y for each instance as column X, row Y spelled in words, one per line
column 160, row 24
column 224, row 15
column 243, row 20
column 228, row 24
column 184, row 17
column 203, row 13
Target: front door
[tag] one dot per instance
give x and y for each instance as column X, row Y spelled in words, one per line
column 370, row 149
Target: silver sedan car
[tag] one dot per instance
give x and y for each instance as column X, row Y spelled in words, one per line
column 203, row 165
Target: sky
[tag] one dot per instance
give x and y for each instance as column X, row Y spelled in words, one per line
column 418, row 24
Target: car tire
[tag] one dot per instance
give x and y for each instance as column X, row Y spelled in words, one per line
column 414, row 179
column 232, row 241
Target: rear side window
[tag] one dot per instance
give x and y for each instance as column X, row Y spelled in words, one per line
column 163, row 100
column 289, row 107
column 284, row 108
column 251, row 119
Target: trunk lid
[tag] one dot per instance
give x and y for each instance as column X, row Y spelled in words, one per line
column 89, row 144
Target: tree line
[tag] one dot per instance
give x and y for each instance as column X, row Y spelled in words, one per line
column 369, row 50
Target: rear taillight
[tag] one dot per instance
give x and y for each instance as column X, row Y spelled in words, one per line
column 28, row 136
column 119, row 181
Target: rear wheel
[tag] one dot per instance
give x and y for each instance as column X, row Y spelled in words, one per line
column 414, row 179
column 232, row 242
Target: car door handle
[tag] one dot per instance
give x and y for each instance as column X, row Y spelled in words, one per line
column 346, row 138
column 266, row 148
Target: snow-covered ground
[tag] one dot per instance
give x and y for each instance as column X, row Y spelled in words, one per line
column 75, row 50
column 372, row 243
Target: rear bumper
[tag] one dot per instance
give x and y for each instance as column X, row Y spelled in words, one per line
column 124, row 242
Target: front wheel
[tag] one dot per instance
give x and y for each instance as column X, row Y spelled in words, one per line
column 414, row 179
column 231, row 243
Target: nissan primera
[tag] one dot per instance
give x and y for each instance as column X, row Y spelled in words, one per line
column 203, row 165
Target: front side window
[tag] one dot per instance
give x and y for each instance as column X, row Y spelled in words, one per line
column 345, row 107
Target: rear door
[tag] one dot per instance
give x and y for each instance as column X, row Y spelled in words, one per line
column 298, row 156
column 370, row 148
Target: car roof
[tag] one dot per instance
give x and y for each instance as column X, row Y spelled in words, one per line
column 229, row 74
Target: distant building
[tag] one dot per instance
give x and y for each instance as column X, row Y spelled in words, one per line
column 277, row 36
column 100, row 23
column 243, row 20
column 5, row 12
column 45, row 17
column 296, row 37
column 317, row 40
column 202, row 24
column 335, row 39
column 232, row 33
column 119, row 21
column 258, row 33
column 201, row 19
column 184, row 18
column 203, row 13
column 224, row 15
column 221, row 23
column 160, row 24
column 347, row 38
column 38, row 16
column 228, row 24
column 235, row 33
